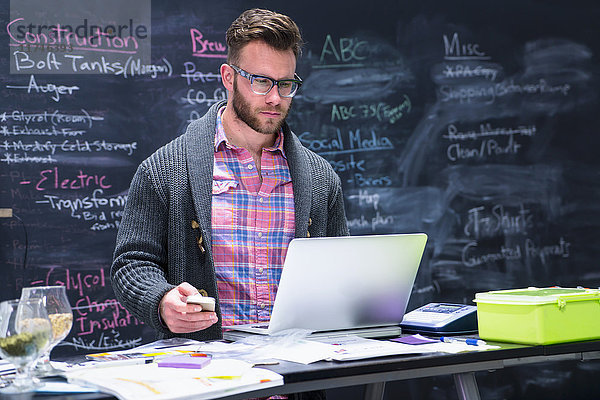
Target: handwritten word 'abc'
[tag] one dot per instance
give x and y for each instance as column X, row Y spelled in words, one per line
column 78, row 281
column 80, row 181
column 349, row 50
column 48, row 88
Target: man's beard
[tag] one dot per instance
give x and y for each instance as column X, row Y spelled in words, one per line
column 244, row 112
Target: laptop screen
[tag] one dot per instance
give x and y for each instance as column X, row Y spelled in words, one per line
column 346, row 282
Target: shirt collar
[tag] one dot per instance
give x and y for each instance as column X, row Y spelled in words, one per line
column 221, row 138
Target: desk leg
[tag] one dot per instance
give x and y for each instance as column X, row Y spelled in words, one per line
column 466, row 385
column 374, row 391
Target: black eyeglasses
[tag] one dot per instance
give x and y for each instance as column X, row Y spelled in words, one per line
column 263, row 84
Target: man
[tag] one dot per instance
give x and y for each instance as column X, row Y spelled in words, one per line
column 214, row 210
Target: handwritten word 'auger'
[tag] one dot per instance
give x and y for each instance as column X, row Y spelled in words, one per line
column 350, row 50
column 205, row 48
column 58, row 90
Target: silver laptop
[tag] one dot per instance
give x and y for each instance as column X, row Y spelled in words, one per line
column 337, row 286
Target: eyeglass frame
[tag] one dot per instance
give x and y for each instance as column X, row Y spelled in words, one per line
column 251, row 77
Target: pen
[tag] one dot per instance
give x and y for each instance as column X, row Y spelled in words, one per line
column 472, row 342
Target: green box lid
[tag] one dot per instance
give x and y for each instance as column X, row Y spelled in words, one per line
column 534, row 295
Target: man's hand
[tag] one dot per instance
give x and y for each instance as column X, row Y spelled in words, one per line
column 181, row 317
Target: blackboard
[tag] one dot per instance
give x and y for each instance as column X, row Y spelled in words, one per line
column 471, row 121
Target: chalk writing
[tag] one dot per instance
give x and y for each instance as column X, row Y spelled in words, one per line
column 454, row 49
column 365, row 198
column 91, row 204
column 486, row 130
column 489, row 93
column 204, row 48
column 19, row 130
column 191, row 75
column 372, row 223
column 51, row 88
column 352, row 164
column 467, row 71
column 348, row 52
column 77, row 281
column 483, row 223
column 472, row 256
column 106, row 341
column 81, row 146
column 199, row 97
column 55, row 117
column 354, row 142
column 380, row 111
column 50, row 178
column 487, row 148
column 361, row 180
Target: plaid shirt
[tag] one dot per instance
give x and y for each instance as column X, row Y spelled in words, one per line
column 252, row 225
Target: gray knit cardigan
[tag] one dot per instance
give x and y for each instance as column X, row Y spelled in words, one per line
column 164, row 237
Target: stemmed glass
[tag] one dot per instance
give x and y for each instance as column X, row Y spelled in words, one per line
column 54, row 299
column 25, row 332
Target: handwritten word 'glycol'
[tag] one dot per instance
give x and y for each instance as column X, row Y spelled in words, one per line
column 48, row 88
column 78, row 281
column 499, row 220
column 80, row 181
column 205, row 48
column 55, row 117
column 191, row 75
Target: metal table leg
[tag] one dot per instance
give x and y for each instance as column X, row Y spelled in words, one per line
column 374, row 391
column 466, row 386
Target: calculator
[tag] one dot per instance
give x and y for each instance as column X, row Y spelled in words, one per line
column 441, row 318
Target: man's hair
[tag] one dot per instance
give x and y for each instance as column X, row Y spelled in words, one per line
column 277, row 30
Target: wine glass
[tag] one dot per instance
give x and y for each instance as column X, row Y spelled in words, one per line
column 25, row 332
column 55, row 300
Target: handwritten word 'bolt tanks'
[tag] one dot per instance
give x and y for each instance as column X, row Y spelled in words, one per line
column 381, row 111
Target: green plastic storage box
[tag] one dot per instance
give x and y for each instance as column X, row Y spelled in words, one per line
column 539, row 315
